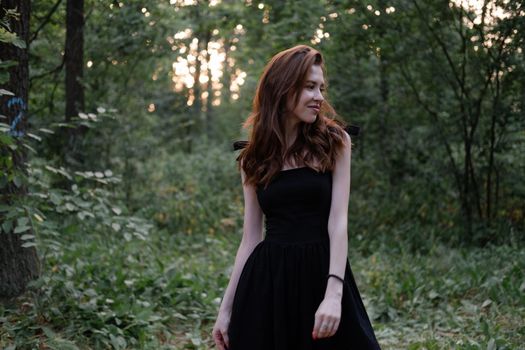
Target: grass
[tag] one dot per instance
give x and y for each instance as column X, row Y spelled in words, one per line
column 103, row 292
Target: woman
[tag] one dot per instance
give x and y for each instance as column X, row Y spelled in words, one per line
column 294, row 289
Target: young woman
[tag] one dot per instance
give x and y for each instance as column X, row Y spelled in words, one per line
column 294, row 289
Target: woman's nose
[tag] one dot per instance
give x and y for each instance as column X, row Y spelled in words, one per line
column 318, row 96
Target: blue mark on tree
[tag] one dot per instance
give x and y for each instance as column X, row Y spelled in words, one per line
column 19, row 107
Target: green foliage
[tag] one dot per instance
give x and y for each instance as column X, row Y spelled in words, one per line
column 193, row 193
column 163, row 293
column 6, row 34
column 8, row 37
column 137, row 294
column 461, row 299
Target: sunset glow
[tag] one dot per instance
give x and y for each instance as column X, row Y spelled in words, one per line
column 212, row 62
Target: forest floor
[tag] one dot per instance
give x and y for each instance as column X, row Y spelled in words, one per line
column 103, row 292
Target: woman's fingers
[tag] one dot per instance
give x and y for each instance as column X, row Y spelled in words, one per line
column 327, row 318
column 219, row 339
column 317, row 325
column 333, row 328
column 325, row 326
column 328, row 328
column 336, row 327
column 226, row 339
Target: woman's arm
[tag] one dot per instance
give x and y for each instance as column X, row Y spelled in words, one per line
column 337, row 222
column 252, row 235
column 329, row 313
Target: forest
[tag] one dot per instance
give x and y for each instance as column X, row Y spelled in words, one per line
column 121, row 205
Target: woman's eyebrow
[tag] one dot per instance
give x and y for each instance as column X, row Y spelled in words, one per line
column 314, row 82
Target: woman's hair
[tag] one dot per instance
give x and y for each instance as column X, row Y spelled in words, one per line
column 284, row 78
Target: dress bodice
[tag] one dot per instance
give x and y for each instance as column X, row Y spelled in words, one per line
column 296, row 204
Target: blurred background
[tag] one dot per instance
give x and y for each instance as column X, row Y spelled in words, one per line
column 121, row 203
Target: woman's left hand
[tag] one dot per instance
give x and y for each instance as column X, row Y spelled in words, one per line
column 327, row 318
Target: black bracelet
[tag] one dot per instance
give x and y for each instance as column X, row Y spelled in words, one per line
column 339, row 278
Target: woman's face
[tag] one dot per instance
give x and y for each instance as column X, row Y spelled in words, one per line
column 310, row 98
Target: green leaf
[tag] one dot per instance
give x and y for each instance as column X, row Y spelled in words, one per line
column 19, row 43
column 33, row 136
column 6, row 36
column 22, row 221
column 118, row 342
column 18, row 181
column 48, row 332
column 29, row 148
column 28, row 245
column 4, row 77
column 7, row 64
column 51, row 169
column 5, row 139
column 55, row 198
column 7, row 226
column 20, row 229
column 5, row 92
column 117, row 210
column 47, row 131
column 491, row 345
column 70, row 207
column 27, row 236
column 3, row 181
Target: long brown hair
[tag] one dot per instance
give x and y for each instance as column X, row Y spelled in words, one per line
column 264, row 155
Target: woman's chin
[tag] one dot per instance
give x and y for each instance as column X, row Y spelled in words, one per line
column 312, row 120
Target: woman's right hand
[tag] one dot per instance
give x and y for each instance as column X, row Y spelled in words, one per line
column 220, row 330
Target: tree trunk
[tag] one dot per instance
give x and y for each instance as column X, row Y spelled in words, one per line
column 383, row 129
column 74, row 62
column 18, row 265
column 490, row 170
column 384, row 134
column 74, row 58
column 209, row 89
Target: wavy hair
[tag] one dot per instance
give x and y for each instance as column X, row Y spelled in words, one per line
column 316, row 145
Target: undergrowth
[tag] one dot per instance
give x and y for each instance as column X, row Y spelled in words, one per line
column 103, row 292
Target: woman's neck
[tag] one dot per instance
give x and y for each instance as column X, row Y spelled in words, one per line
column 290, row 131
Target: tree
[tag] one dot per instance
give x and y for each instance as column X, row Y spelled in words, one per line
column 74, row 62
column 18, row 264
column 476, row 55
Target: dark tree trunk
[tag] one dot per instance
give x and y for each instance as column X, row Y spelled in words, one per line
column 384, row 138
column 490, row 170
column 74, row 62
column 384, row 90
column 18, row 265
column 74, row 58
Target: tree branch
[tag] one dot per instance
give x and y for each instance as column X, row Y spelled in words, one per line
column 444, row 49
column 435, row 117
column 45, row 21
column 55, row 70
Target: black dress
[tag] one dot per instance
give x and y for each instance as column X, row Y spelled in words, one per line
column 284, row 279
